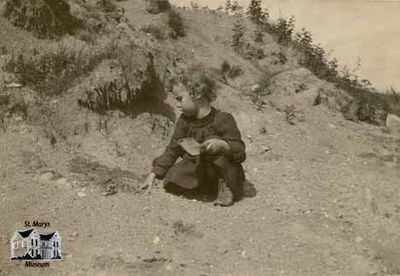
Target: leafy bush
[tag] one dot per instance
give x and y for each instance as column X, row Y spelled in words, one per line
column 175, row 22
column 158, row 6
column 45, row 18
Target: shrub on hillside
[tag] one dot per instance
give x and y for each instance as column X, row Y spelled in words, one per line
column 368, row 105
column 283, row 30
column 194, row 4
column 314, row 57
column 175, row 22
column 261, row 89
column 228, row 6
column 235, row 7
column 292, row 115
column 258, row 34
column 264, row 81
column 12, row 103
column 45, row 18
column 252, row 52
column 230, row 71
column 154, row 30
column 54, row 72
column 136, row 86
column 254, row 11
column 106, row 6
column 237, row 34
column 157, row 6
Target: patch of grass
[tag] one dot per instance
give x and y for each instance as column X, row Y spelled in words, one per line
column 12, row 103
column 53, row 72
column 264, row 82
column 292, row 115
column 261, row 89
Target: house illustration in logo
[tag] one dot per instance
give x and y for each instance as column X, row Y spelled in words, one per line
column 31, row 245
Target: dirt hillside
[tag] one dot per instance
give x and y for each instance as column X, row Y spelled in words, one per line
column 323, row 192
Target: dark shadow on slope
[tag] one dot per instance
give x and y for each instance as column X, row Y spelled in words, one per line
column 132, row 95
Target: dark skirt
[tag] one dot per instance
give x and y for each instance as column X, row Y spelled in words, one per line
column 201, row 174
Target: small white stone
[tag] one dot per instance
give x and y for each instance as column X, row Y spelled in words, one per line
column 168, row 267
column 14, row 85
column 156, row 240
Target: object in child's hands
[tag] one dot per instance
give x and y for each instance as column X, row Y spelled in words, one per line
column 190, row 145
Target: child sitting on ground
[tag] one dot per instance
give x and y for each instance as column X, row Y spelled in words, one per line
column 217, row 170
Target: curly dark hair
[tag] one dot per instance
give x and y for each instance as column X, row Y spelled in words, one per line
column 200, row 83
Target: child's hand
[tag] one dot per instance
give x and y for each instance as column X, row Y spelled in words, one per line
column 149, row 182
column 215, row 145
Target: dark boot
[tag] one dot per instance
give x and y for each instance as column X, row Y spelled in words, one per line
column 225, row 195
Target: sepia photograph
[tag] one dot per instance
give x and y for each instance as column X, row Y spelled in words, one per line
column 200, row 137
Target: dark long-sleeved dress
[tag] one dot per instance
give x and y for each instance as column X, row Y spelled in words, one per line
column 203, row 171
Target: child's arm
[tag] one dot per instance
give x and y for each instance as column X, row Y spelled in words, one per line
column 226, row 126
column 162, row 163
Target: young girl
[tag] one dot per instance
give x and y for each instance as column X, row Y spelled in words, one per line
column 217, row 170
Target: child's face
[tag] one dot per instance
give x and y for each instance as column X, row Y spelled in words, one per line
column 184, row 101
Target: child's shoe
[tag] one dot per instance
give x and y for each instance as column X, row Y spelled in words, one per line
column 225, row 195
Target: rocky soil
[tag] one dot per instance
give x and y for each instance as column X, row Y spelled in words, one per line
column 322, row 196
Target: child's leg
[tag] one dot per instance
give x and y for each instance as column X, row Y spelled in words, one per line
column 224, row 195
column 174, row 189
column 232, row 176
column 221, row 178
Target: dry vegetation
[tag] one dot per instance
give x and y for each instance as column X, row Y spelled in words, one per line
column 85, row 108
